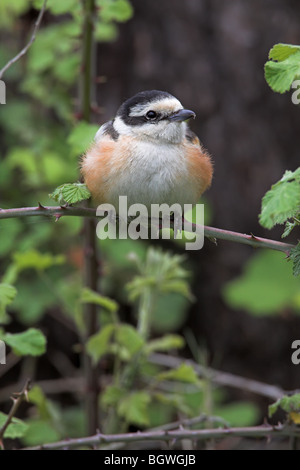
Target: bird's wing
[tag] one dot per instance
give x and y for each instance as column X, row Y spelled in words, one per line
column 106, row 129
column 191, row 137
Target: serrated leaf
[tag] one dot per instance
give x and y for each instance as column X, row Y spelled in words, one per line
column 15, row 429
column 31, row 342
column 129, row 338
column 33, row 259
column 183, row 373
column 134, row 408
column 281, row 51
column 280, row 203
column 7, row 295
column 70, row 193
column 289, row 404
column 98, row 344
column 91, row 297
column 280, row 75
column 165, row 343
column 289, row 226
column 295, row 258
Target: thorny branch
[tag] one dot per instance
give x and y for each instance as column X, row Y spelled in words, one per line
column 263, row 431
column 32, row 39
column 210, row 232
column 17, row 400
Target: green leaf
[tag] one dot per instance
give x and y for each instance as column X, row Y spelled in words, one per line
column 129, row 338
column 183, row 373
column 280, row 75
column 33, row 259
column 118, row 10
column 15, row 429
column 112, row 396
column 281, row 51
column 177, row 401
column 170, row 313
column 266, row 286
column 91, row 297
column 31, row 342
column 105, row 32
column 57, row 7
column 7, row 295
column 165, row 343
column 98, row 344
column 134, row 408
column 239, row 413
column 81, row 137
column 40, row 431
column 45, row 406
column 282, row 201
column 286, row 403
column 295, row 258
column 289, row 226
column 70, row 193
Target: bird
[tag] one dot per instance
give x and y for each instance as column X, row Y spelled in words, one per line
column 147, row 153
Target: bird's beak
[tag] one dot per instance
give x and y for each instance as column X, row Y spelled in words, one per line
column 182, row 115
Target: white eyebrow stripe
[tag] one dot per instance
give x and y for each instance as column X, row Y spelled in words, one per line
column 168, row 104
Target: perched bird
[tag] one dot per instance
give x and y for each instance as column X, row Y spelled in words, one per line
column 147, row 153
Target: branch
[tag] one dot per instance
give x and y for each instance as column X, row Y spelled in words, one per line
column 17, row 400
column 222, row 378
column 265, row 430
column 91, row 266
column 209, row 232
column 32, row 39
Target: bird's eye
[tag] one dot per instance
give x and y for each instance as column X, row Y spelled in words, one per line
column 151, row 115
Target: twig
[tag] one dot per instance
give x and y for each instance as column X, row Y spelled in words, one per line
column 264, row 431
column 222, row 378
column 32, row 39
column 17, row 400
column 209, row 232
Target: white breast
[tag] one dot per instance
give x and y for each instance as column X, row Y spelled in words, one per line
column 154, row 173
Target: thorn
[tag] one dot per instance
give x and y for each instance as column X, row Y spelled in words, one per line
column 64, row 206
column 57, row 217
column 253, row 236
column 40, row 206
column 213, row 240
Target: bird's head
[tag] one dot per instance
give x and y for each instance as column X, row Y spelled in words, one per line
column 153, row 115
